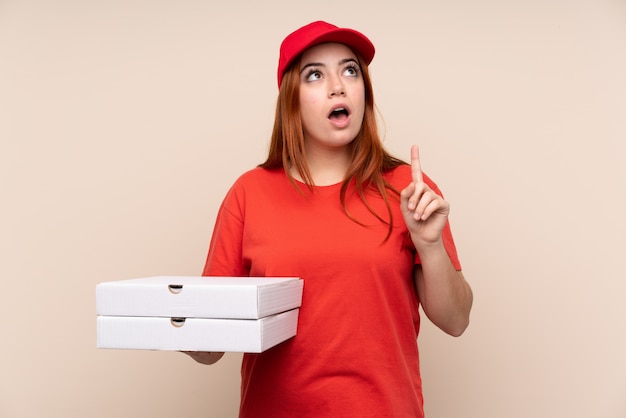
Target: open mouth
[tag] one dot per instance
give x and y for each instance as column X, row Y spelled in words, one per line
column 339, row 113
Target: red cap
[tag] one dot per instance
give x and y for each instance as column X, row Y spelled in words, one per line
column 319, row 32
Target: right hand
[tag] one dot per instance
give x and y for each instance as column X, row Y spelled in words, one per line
column 425, row 212
column 204, row 357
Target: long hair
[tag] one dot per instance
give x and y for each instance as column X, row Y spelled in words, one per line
column 369, row 158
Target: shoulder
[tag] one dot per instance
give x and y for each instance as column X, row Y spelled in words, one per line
column 258, row 176
column 256, row 183
column 400, row 177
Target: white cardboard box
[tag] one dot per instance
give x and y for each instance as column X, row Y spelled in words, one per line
column 199, row 297
column 196, row 334
column 185, row 313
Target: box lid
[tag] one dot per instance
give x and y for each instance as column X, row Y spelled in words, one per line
column 199, row 296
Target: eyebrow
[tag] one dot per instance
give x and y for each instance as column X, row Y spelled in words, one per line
column 321, row 64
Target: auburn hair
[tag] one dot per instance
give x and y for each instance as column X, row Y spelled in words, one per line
column 369, row 158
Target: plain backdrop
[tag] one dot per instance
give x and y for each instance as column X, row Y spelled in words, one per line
column 123, row 124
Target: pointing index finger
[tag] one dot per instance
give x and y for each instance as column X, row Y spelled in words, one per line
column 416, row 167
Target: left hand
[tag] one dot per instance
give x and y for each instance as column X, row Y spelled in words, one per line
column 204, row 357
column 425, row 212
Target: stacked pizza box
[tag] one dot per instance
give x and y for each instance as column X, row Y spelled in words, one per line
column 233, row 314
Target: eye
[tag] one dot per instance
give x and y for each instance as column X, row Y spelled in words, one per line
column 352, row 70
column 313, row 75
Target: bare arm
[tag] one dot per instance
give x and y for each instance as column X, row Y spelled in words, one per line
column 444, row 293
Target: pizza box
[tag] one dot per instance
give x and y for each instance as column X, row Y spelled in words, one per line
column 199, row 297
column 196, row 334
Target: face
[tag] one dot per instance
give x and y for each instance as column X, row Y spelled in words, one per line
column 332, row 96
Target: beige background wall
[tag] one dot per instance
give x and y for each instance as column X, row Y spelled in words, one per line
column 123, row 123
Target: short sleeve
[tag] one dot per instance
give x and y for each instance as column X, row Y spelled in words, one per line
column 446, row 236
column 225, row 256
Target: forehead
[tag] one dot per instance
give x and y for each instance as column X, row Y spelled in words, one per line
column 331, row 52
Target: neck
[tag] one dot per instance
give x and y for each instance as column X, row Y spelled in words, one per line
column 328, row 166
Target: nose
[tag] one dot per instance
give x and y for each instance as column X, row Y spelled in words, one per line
column 336, row 88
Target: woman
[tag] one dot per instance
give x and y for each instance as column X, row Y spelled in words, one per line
column 368, row 233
